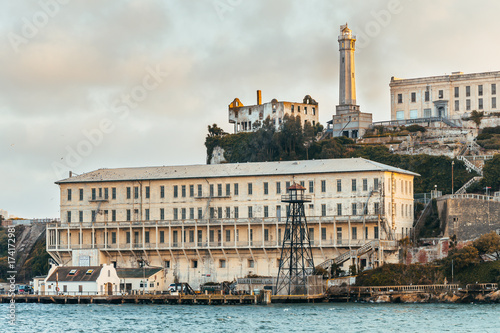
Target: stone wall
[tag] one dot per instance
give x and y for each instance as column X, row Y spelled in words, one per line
column 468, row 216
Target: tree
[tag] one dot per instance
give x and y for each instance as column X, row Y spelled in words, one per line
column 476, row 117
column 215, row 130
column 488, row 244
column 491, row 171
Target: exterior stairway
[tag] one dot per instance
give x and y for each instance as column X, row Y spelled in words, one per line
column 372, row 245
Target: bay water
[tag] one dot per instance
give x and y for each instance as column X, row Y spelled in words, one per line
column 322, row 317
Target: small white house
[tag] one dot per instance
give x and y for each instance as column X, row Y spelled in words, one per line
column 149, row 280
column 81, row 280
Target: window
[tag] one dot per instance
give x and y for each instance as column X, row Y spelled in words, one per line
column 200, row 213
column 250, row 189
column 292, row 108
column 339, row 185
column 176, row 214
column 191, row 213
column 250, row 212
column 457, row 105
column 266, row 235
column 80, row 216
column 413, row 97
column 191, row 236
column 146, row 236
column 441, row 94
column 427, row 113
column 305, row 109
column 376, row 208
column 339, row 209
column 302, row 183
column 375, row 184
column 298, row 108
column 194, row 263
column 176, row 191
column 219, row 190
column 219, row 212
column 266, row 211
column 278, row 187
column 162, row 191
column 128, row 237
column 166, row 264
column 339, row 235
column 113, row 193
column 354, row 209
column 72, row 272
column 467, row 104
column 136, row 192
column 69, row 216
column 287, row 185
column 323, row 186
column 456, row 92
column 89, row 272
column 69, row 194
column 400, row 115
column 426, row 96
column 93, row 194
column 365, row 184
column 162, row 213
column 311, row 186
column 136, row 214
column 323, row 233
column 353, row 185
column 493, row 102
column 493, row 88
column 147, row 214
column 128, row 215
column 323, row 209
column 314, row 111
column 200, row 190
column 413, row 114
column 147, row 192
column 480, row 90
column 228, row 235
column 228, row 189
column 236, row 212
column 375, row 232
column 212, row 212
column 228, row 212
column 93, row 216
column 266, row 188
column 354, row 232
column 400, row 98
column 81, row 194
column 480, row 104
column 183, row 191
column 467, row 91
column 251, row 263
column 278, row 213
column 236, row 190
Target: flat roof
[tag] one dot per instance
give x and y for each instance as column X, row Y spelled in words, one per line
column 340, row 165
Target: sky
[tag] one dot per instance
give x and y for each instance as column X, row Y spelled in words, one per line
column 89, row 84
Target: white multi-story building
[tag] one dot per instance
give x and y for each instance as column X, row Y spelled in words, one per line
column 445, row 96
column 221, row 222
column 244, row 117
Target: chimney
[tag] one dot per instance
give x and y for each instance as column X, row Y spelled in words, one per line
column 70, row 174
column 259, row 97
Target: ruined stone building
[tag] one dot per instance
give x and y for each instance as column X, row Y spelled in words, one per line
column 348, row 121
column 444, row 96
column 244, row 117
column 220, row 222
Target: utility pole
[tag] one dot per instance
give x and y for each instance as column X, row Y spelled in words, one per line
column 452, row 187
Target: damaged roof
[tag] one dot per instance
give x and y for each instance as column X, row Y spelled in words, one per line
column 132, row 273
column 234, row 170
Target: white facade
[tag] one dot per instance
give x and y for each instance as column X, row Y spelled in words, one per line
column 243, row 117
column 445, row 96
column 205, row 223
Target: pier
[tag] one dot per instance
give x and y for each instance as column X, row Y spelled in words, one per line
column 203, row 299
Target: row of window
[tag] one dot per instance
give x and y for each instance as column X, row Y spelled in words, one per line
column 480, row 92
column 230, row 235
column 228, row 212
column 218, row 190
column 292, row 109
column 480, row 104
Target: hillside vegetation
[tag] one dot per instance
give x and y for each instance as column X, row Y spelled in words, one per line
column 294, row 142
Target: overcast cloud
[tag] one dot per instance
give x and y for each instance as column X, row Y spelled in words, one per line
column 144, row 78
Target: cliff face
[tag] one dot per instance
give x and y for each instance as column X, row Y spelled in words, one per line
column 30, row 255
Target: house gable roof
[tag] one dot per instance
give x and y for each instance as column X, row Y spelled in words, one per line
column 62, row 274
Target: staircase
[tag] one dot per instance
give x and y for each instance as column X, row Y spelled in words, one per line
column 464, row 188
column 450, row 123
column 327, row 264
column 470, row 165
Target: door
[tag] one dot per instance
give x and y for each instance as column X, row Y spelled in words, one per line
column 109, row 288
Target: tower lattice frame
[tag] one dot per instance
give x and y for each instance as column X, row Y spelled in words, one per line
column 296, row 262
